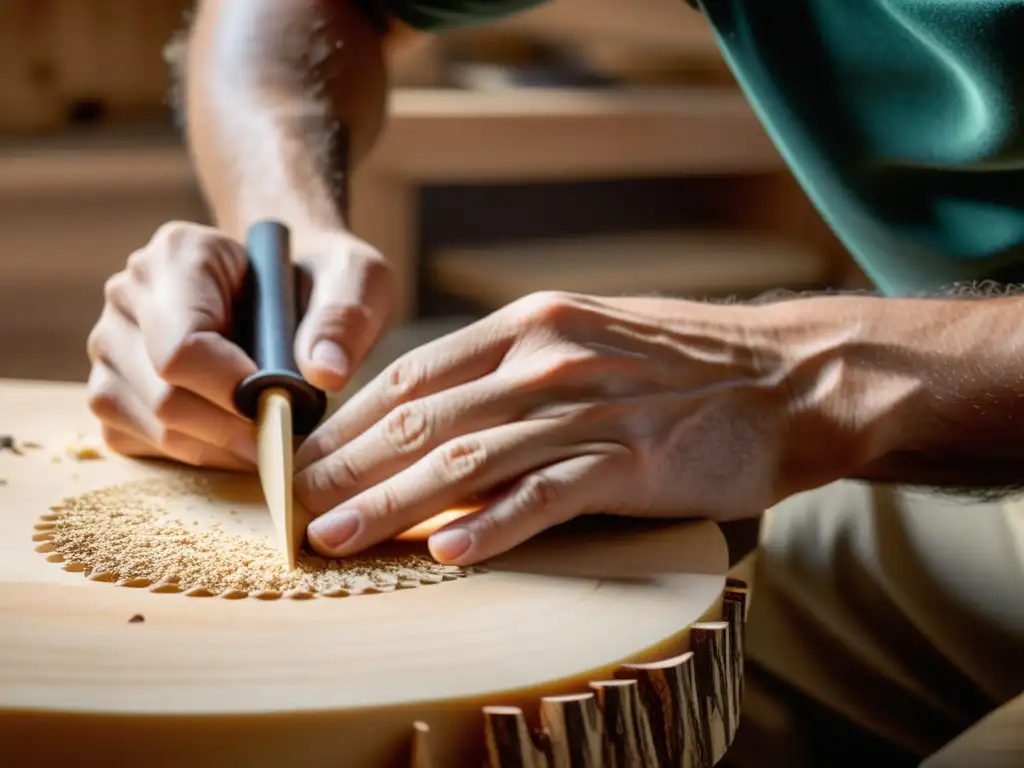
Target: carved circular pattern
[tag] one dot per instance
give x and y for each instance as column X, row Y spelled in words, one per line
column 211, row 535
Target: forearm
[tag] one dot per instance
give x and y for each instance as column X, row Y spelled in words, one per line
column 926, row 392
column 921, row 391
column 282, row 98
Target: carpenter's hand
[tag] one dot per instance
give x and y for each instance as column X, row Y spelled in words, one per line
column 163, row 370
column 552, row 407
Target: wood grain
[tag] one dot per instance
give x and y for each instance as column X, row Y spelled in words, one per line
column 670, row 702
column 420, row 752
column 734, row 611
column 510, row 741
column 220, row 679
column 627, row 740
column 574, row 730
column 710, row 643
column 682, row 711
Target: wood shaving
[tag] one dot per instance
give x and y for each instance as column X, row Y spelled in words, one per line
column 84, row 453
column 128, row 531
column 8, row 443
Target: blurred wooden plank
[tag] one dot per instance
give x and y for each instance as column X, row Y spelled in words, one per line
column 674, row 263
column 29, row 96
column 56, row 54
column 434, row 136
column 102, row 171
column 112, row 51
column 451, row 135
column 455, row 136
column 651, row 24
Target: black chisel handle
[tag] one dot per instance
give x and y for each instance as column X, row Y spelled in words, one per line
column 266, row 317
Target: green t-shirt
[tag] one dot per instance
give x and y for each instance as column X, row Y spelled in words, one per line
column 440, row 15
column 902, row 119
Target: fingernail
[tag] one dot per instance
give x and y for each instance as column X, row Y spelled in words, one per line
column 334, row 529
column 329, row 355
column 450, row 544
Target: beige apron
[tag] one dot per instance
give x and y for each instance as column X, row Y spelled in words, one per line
column 896, row 614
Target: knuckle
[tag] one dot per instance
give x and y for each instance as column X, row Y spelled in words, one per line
column 192, row 245
column 403, row 378
column 320, row 444
column 378, row 273
column 115, row 289
column 195, row 346
column 167, row 367
column 387, row 505
column 171, row 236
column 460, row 460
column 328, row 483
column 337, row 319
column 163, row 438
column 103, row 400
column 376, row 266
column 343, row 471
column 181, row 447
column 366, row 258
column 137, row 266
column 117, row 441
column 408, row 428
column 543, row 308
column 312, row 488
column 95, row 342
column 536, row 493
column 167, row 404
column 201, row 251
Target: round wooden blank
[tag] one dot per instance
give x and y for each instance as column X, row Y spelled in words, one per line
column 333, row 682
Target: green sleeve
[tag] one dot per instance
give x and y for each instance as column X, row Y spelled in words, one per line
column 441, row 15
column 901, row 119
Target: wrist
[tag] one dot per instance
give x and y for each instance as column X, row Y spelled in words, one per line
column 849, row 385
column 912, row 391
column 800, row 364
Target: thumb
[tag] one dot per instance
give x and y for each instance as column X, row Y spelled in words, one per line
column 345, row 314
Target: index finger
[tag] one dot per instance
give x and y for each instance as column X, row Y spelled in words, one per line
column 185, row 315
column 464, row 355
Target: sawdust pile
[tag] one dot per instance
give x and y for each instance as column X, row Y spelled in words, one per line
column 128, row 532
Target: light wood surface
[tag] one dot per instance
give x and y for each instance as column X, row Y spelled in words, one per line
column 209, row 681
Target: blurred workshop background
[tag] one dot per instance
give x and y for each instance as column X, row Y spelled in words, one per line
column 598, row 146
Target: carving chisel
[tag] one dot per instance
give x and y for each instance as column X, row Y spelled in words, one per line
column 276, row 397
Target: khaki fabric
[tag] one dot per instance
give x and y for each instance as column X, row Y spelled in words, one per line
column 995, row 742
column 889, row 624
